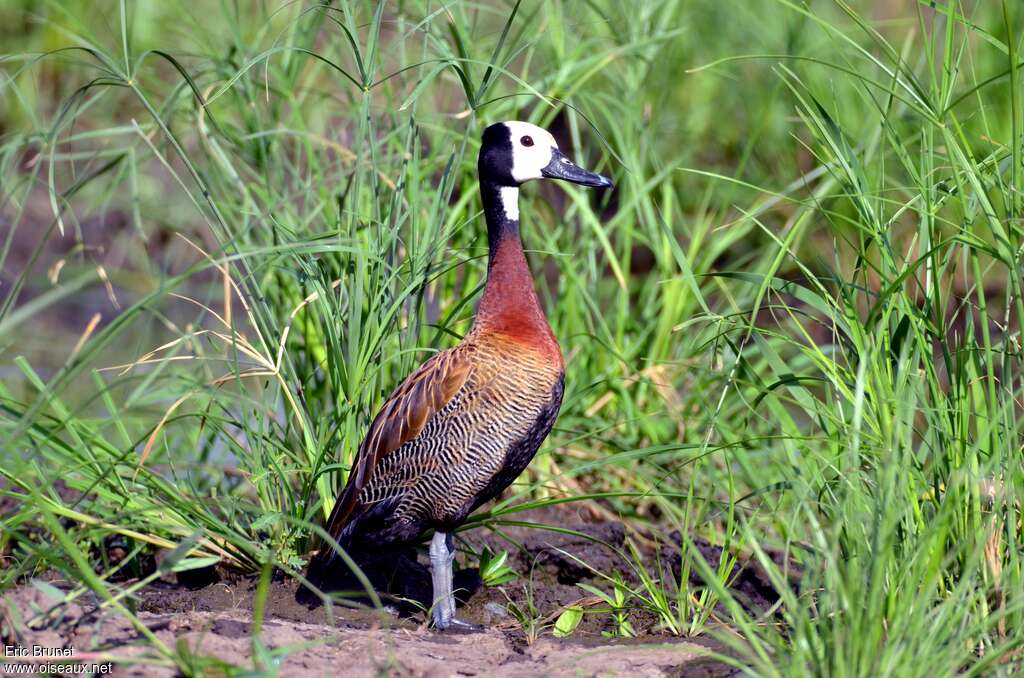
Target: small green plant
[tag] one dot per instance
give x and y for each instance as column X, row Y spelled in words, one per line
column 526, row 614
column 493, row 570
column 618, row 601
column 680, row 608
column 192, row 663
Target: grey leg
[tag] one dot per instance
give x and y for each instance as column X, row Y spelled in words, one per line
column 442, row 553
column 441, row 571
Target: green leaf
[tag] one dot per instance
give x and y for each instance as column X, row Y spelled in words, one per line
column 179, row 554
column 49, row 590
column 186, row 564
column 493, row 570
column 593, row 590
column 568, row 621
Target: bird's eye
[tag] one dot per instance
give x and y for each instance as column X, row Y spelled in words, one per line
column 526, row 141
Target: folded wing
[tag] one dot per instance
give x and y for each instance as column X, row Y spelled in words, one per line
column 400, row 420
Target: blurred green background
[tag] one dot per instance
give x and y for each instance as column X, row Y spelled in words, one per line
column 230, row 228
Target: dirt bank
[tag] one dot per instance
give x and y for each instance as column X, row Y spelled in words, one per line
column 360, row 643
column 216, row 620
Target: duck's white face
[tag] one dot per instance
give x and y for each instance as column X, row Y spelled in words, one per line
column 533, row 148
column 514, row 152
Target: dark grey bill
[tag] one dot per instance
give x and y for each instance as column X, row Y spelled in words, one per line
column 561, row 167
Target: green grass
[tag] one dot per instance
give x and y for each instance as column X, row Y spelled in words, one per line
column 795, row 328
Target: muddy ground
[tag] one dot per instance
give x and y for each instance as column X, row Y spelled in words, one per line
column 306, row 638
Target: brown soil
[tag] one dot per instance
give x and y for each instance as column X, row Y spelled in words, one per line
column 217, row 620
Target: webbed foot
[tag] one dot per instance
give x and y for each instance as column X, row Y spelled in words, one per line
column 454, row 624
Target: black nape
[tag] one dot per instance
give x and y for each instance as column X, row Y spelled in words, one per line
column 495, row 161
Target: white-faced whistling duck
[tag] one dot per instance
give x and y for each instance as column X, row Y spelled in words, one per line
column 464, row 425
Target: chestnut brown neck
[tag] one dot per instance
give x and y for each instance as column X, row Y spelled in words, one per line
column 509, row 305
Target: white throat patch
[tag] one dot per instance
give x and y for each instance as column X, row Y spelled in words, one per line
column 509, row 198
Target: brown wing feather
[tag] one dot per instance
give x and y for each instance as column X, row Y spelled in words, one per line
column 401, row 419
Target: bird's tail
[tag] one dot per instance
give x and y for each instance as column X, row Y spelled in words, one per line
column 325, row 561
column 326, row 558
